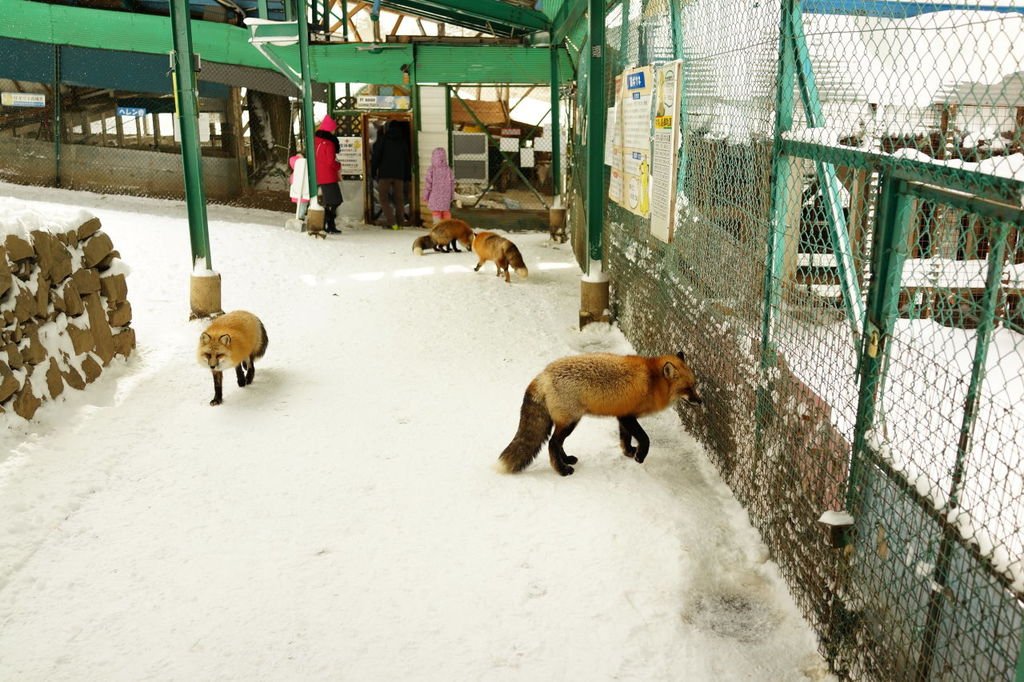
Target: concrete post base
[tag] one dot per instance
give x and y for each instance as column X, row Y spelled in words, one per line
column 594, row 302
column 315, row 222
column 205, row 296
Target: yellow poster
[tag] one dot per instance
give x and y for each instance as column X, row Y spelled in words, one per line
column 635, row 123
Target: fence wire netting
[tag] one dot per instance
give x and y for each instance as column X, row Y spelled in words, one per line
column 845, row 275
column 123, row 142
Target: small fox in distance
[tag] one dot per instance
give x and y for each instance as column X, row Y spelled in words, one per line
column 447, row 234
column 600, row 384
column 505, row 254
column 237, row 340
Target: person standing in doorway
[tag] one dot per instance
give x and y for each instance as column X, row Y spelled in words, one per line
column 325, row 149
column 391, row 162
column 439, row 186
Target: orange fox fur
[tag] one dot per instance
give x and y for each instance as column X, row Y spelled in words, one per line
column 451, row 232
column 505, row 254
column 237, row 340
column 601, row 384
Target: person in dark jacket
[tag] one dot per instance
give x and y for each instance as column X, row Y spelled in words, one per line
column 392, row 166
column 325, row 149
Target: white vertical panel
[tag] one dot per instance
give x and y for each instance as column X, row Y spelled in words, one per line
column 433, row 123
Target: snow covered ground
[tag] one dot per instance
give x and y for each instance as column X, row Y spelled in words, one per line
column 341, row 518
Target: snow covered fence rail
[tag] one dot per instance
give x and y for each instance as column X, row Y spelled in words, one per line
column 64, row 306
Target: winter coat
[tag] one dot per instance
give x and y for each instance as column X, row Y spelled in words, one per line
column 325, row 149
column 391, row 155
column 291, row 180
column 439, row 183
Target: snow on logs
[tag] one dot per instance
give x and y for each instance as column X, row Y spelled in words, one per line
column 64, row 307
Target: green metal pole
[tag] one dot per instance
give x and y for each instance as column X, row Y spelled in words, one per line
column 677, row 51
column 307, row 95
column 595, row 135
column 780, row 189
column 261, row 7
column 556, row 127
column 344, row 25
column 775, row 248
column 186, row 105
column 827, row 179
column 983, row 339
column 1020, row 662
column 889, row 251
column 58, row 127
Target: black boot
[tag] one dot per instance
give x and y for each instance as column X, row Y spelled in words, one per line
column 329, row 217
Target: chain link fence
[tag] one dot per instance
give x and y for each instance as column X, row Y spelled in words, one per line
column 845, row 273
column 113, row 142
column 104, row 121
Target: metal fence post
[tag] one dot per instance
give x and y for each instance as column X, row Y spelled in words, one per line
column 779, row 188
column 983, row 338
column 307, row 97
column 595, row 135
column 677, row 51
column 827, row 179
column 888, row 256
column 187, row 109
column 556, row 130
column 57, row 116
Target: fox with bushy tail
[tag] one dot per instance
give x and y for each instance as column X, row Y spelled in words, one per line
column 237, row 340
column 602, row 384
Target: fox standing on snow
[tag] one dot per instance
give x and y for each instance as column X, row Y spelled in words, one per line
column 237, row 340
column 489, row 246
column 447, row 233
column 601, row 384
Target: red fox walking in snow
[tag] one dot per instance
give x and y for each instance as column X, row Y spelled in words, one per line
column 447, row 234
column 601, row 384
column 237, row 340
column 505, row 254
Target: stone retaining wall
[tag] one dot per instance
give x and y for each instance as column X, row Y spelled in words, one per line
column 65, row 313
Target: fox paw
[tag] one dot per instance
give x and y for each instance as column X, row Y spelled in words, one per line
column 569, row 459
column 629, row 451
column 565, row 471
column 216, row 401
column 640, row 457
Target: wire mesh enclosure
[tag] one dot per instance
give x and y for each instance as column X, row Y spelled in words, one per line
column 845, row 276
column 116, row 142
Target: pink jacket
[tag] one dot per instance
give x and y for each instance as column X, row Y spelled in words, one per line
column 291, row 176
column 325, row 148
column 439, row 183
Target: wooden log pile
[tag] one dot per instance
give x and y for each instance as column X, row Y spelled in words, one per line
column 64, row 312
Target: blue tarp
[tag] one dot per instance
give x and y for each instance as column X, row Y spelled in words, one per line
column 894, row 9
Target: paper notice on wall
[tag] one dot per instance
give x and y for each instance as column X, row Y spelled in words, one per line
column 635, row 122
column 665, row 161
column 526, row 157
column 351, row 155
column 613, row 146
column 508, row 144
column 610, row 136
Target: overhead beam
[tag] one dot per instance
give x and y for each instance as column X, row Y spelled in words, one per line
column 522, row 18
column 569, row 15
column 329, row 63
